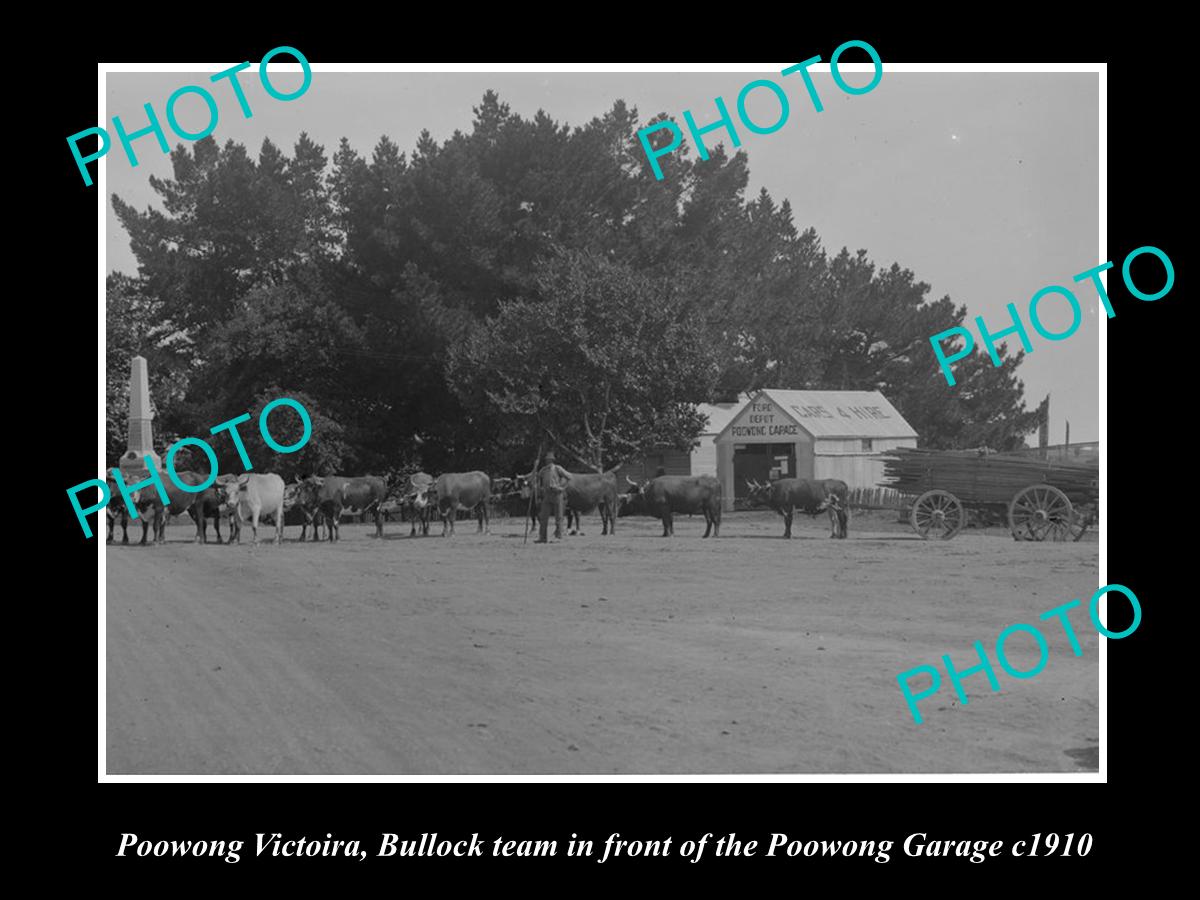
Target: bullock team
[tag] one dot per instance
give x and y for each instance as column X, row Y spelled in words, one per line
column 317, row 502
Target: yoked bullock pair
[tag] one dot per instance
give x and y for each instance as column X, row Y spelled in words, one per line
column 202, row 506
column 812, row 497
column 585, row 493
column 471, row 492
column 669, row 494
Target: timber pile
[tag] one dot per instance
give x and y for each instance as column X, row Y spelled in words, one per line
column 992, row 478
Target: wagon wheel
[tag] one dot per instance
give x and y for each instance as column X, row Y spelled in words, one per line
column 938, row 514
column 1042, row 512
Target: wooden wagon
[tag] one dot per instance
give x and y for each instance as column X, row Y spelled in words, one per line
column 1041, row 499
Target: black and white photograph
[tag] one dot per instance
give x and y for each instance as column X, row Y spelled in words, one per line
column 664, row 420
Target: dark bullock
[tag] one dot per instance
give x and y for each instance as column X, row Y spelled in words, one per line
column 153, row 513
column 209, row 505
column 669, row 494
column 588, row 492
column 116, row 512
column 812, row 497
column 337, row 494
column 466, row 491
column 295, row 515
column 324, row 495
column 510, row 497
column 366, row 495
column 302, row 506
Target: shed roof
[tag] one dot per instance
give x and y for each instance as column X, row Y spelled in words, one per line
column 836, row 414
column 721, row 414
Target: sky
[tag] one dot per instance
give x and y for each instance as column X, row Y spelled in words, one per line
column 984, row 185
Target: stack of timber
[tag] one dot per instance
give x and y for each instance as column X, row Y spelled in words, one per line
column 878, row 498
column 982, row 477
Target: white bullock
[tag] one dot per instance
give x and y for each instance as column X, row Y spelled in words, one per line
column 251, row 496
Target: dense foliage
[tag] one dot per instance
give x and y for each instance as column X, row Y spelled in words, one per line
column 519, row 285
column 600, row 362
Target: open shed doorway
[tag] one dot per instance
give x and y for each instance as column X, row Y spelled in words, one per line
column 761, row 462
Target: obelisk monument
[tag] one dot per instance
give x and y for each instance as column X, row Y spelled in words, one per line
column 141, row 443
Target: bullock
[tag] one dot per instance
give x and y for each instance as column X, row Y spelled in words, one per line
column 632, row 503
column 510, row 498
column 574, row 520
column 365, row 495
column 669, row 494
column 336, row 494
column 812, row 497
column 208, row 505
column 294, row 514
column 235, row 527
column 118, row 511
column 531, row 500
column 251, row 496
column 526, row 486
column 329, row 502
column 291, row 516
column 153, row 512
column 419, row 499
column 466, row 491
column 115, row 511
column 587, row 492
column 301, row 506
column 504, row 486
column 419, row 507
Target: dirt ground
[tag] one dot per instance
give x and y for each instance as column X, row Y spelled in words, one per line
column 622, row 654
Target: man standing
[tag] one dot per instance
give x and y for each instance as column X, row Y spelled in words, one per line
column 552, row 481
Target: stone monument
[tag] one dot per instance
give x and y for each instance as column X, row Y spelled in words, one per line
column 141, row 442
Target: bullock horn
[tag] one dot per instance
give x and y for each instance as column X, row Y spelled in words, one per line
column 631, row 481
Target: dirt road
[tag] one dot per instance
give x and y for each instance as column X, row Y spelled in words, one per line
column 621, row 654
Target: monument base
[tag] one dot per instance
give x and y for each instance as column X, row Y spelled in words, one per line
column 133, row 469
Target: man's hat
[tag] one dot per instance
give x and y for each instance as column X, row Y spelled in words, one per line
column 549, row 456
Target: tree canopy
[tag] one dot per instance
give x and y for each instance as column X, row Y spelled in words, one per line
column 601, row 362
column 522, row 283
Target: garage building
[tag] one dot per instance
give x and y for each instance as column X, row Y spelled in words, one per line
column 787, row 434
column 808, row 434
